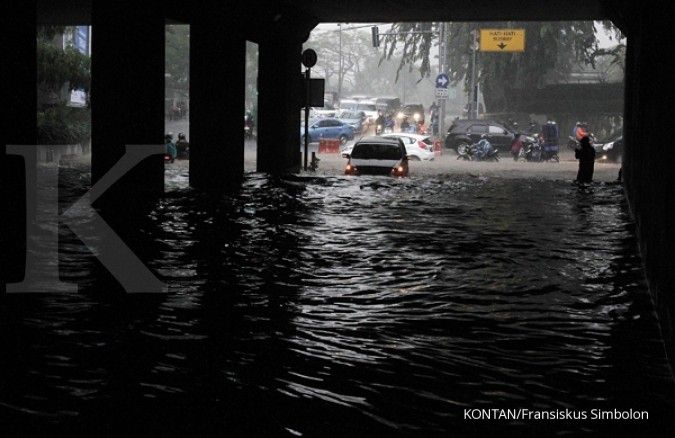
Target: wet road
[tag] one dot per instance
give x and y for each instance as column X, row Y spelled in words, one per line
column 348, row 306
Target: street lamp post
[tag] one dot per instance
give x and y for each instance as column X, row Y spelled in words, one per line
column 442, row 67
column 340, row 64
column 473, row 97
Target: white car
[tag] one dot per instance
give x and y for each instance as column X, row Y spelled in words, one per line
column 369, row 108
column 418, row 147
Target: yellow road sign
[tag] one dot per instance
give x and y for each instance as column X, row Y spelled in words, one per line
column 502, row 40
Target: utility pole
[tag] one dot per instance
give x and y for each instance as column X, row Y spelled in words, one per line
column 473, row 97
column 442, row 67
column 340, row 64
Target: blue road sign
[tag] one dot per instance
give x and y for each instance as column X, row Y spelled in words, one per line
column 442, row 81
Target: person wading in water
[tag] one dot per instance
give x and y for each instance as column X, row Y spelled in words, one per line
column 586, row 156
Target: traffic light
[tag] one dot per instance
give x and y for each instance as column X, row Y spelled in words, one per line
column 376, row 36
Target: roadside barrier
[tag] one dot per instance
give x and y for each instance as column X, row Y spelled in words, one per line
column 329, row 146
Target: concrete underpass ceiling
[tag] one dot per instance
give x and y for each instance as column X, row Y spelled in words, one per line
column 79, row 11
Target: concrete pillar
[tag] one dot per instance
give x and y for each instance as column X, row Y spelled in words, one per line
column 127, row 93
column 18, row 94
column 217, row 75
column 280, row 96
column 649, row 157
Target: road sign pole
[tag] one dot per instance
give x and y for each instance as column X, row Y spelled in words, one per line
column 443, row 56
column 472, row 98
column 307, row 100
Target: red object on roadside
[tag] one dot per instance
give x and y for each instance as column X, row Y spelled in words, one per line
column 329, row 146
column 438, row 150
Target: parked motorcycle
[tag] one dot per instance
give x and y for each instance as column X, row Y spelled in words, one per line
column 521, row 145
column 531, row 151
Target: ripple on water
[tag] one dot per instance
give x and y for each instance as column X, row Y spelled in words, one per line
column 350, row 303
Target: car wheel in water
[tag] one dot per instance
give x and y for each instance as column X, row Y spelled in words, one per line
column 462, row 148
column 415, row 158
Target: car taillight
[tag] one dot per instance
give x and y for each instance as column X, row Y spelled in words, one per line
column 421, row 145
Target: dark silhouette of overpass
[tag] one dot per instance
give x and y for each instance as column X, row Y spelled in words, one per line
column 128, row 91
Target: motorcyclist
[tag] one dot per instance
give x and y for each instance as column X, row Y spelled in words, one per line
column 389, row 122
column 580, row 130
column 248, row 119
column 182, row 146
column 170, row 147
column 248, row 123
column 483, row 148
column 434, row 113
column 379, row 123
column 405, row 125
column 516, row 145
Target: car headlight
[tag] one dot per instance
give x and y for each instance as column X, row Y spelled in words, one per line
column 416, row 116
column 604, row 157
column 608, row 146
column 400, row 115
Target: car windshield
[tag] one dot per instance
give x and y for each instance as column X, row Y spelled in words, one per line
column 367, row 107
column 349, row 115
column 371, row 151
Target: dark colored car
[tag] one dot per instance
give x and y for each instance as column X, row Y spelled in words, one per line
column 378, row 156
column 468, row 132
column 328, row 128
column 609, row 151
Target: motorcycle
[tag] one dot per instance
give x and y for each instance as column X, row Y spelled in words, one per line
column 481, row 151
column 248, row 128
column 522, row 145
column 531, row 151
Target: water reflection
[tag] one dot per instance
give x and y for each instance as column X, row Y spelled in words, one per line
column 355, row 305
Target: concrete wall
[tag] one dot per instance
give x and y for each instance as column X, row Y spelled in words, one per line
column 649, row 157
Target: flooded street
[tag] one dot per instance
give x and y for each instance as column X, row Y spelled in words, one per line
column 324, row 304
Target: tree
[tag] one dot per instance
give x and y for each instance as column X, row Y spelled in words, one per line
column 341, row 67
column 177, row 56
column 552, row 50
column 60, row 71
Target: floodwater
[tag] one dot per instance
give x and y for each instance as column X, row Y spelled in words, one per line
column 347, row 306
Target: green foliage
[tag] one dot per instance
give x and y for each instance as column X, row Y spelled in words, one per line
column 553, row 49
column 357, row 51
column 177, row 61
column 63, row 125
column 56, row 67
